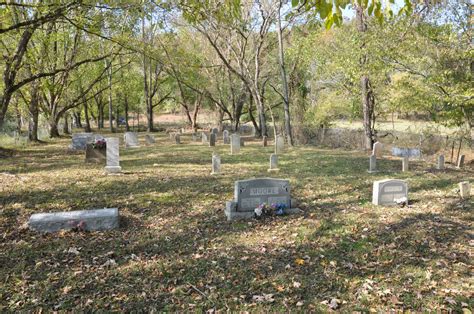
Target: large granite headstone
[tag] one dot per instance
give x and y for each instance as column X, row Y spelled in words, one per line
column 249, row 194
column 80, row 140
column 389, row 191
column 406, row 152
column 113, row 158
column 87, row 220
column 234, row 144
column 131, row 139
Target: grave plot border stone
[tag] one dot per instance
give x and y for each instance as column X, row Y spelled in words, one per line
column 250, row 193
column 88, row 220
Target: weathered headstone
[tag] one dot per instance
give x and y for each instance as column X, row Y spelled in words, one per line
column 265, row 141
column 440, row 165
column 405, row 162
column 177, row 138
column 113, row 158
column 225, row 137
column 234, row 144
column 80, row 140
column 212, row 139
column 131, row 139
column 215, row 131
column 216, row 164
column 242, row 142
column 87, row 220
column 460, row 164
column 195, row 137
column 372, row 164
column 95, row 154
column 150, row 139
column 249, row 194
column 273, row 163
column 279, row 144
column 389, row 192
column 204, row 138
column 465, row 189
column 377, row 149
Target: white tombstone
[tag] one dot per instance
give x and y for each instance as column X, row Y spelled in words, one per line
column 390, row 192
column 131, row 139
column 465, row 189
column 273, row 163
column 377, row 149
column 279, row 144
column 234, row 144
column 372, row 164
column 405, row 164
column 440, row 165
column 225, row 137
column 204, row 138
column 112, row 155
column 216, row 164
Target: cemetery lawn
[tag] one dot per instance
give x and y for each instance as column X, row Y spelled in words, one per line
column 175, row 251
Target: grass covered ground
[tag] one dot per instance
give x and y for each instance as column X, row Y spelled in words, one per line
column 175, row 250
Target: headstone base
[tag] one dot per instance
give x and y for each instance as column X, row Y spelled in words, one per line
column 372, row 171
column 232, row 214
column 113, row 169
column 274, row 170
column 89, row 220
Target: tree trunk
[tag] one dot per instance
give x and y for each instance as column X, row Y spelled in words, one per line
column 286, row 98
column 111, row 120
column 66, row 129
column 368, row 100
column 33, row 109
column 86, row 118
column 77, row 119
column 127, row 126
column 53, row 126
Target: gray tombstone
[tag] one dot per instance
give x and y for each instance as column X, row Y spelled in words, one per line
column 204, row 138
column 225, row 137
column 215, row 131
column 273, row 163
column 249, row 194
column 131, row 139
column 465, row 189
column 212, row 139
column 265, row 141
column 234, row 144
column 112, row 155
column 377, row 149
column 88, row 220
column 440, row 165
column 406, row 152
column 389, row 192
column 279, row 144
column 150, row 139
column 216, row 164
column 372, row 164
column 242, row 142
column 195, row 137
column 460, row 164
column 405, row 162
column 177, row 139
column 80, row 140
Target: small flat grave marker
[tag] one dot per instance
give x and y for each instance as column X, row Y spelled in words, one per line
column 89, row 220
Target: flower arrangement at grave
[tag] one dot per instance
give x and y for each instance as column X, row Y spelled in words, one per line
column 264, row 210
column 99, row 144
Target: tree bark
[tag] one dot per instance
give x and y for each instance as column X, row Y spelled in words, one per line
column 33, row 109
column 53, row 126
column 66, row 129
column 87, row 128
column 111, row 120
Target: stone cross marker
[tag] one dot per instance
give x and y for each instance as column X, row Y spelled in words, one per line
column 112, row 155
column 405, row 164
column 234, row 144
column 377, row 149
column 225, row 137
column 249, row 194
column 461, row 162
column 279, row 144
column 131, row 139
column 273, row 163
column 80, row 140
column 372, row 164
column 90, row 220
column 465, row 189
column 150, row 139
column 389, row 191
column 216, row 164
column 440, row 165
column 212, row 139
